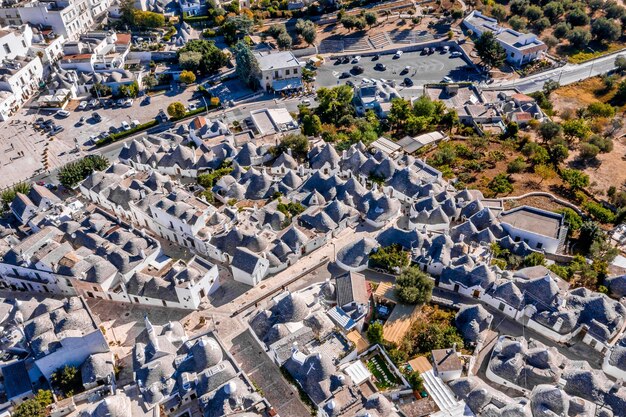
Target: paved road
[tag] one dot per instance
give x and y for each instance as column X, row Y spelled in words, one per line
column 568, row 74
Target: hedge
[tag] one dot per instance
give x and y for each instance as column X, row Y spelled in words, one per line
column 187, row 18
column 192, row 113
column 116, row 136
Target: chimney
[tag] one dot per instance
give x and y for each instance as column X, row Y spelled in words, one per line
column 454, row 347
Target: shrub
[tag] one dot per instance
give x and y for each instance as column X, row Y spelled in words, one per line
column 117, row 136
column 9, row 194
column 517, row 165
column 575, row 178
column 500, row 184
column 176, row 109
column 598, row 212
column 375, row 332
column 573, row 219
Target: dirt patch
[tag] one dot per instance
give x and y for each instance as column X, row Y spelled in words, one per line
column 544, row 203
column 609, row 170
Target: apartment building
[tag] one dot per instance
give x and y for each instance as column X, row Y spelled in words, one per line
column 280, row 71
column 19, row 80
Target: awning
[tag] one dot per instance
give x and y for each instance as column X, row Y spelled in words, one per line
column 289, row 84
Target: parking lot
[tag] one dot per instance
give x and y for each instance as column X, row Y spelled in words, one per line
column 112, row 117
column 423, row 69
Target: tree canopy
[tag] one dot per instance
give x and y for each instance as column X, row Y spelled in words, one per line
column 246, row 64
column 414, row 286
column 489, row 50
column 212, row 58
column 74, row 172
column 176, row 110
column 375, row 332
column 34, row 407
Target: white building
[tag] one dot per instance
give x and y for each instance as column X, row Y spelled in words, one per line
column 69, row 18
column 540, row 229
column 96, row 52
column 280, row 71
column 273, row 121
column 521, row 48
column 20, row 78
column 248, row 267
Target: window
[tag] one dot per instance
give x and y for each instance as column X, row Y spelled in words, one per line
column 6, row 48
column 23, row 44
column 295, row 70
column 276, row 74
column 539, row 245
column 286, row 72
column 501, row 307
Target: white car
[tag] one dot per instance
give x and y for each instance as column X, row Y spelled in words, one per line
column 82, row 105
column 455, row 54
column 447, row 80
column 193, row 107
column 128, row 102
column 63, row 113
column 356, row 59
column 134, row 123
column 445, row 49
column 398, row 54
column 125, row 125
column 306, row 102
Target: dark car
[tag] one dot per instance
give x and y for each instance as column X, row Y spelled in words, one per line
column 350, row 83
column 96, row 117
column 56, row 130
column 376, row 57
column 380, row 67
column 145, row 101
column 345, row 75
column 357, row 69
column 408, row 82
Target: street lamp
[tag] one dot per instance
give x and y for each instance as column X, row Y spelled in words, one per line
column 592, row 61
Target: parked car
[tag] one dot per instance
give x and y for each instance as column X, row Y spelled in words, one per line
column 193, row 107
column 445, row 49
column 96, row 117
column 162, row 116
column 447, row 80
column 356, row 59
column 82, row 105
column 120, row 102
column 455, row 54
column 146, row 101
column 56, row 130
column 94, row 103
column 128, row 102
column 80, row 121
column 380, row 66
column 398, row 54
column 125, row 125
column 63, row 113
column 357, row 69
column 350, row 83
column 345, row 74
column 408, row 82
column 425, row 51
column 405, row 70
column 376, row 57
column 134, row 123
column 306, row 102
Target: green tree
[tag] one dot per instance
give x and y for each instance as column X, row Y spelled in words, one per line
column 212, row 57
column 579, row 38
column 187, row 77
column 517, row 23
column 375, row 333
column 176, row 110
column 149, row 81
column 489, row 50
column 549, row 130
column 334, row 103
column 544, row 172
column 236, row 27
column 588, row 151
column 605, row 30
column 35, row 407
column 498, row 12
column 128, row 90
column 68, row 380
column 533, row 13
column 145, row 19
column 370, row 18
column 500, row 184
column 391, row 258
column 100, row 90
column 284, row 41
column 414, row 286
column 307, row 30
column 416, row 381
column 190, row 60
column 577, row 17
column 299, row 145
column 246, row 64
column 311, row 124
column 599, row 109
column 576, row 129
column 572, row 219
column 553, row 11
column 575, row 179
column 561, row 30
column 72, row 173
column 9, row 194
column 517, row 165
column 399, row 113
column 558, row 153
column 620, row 63
column 534, row 259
